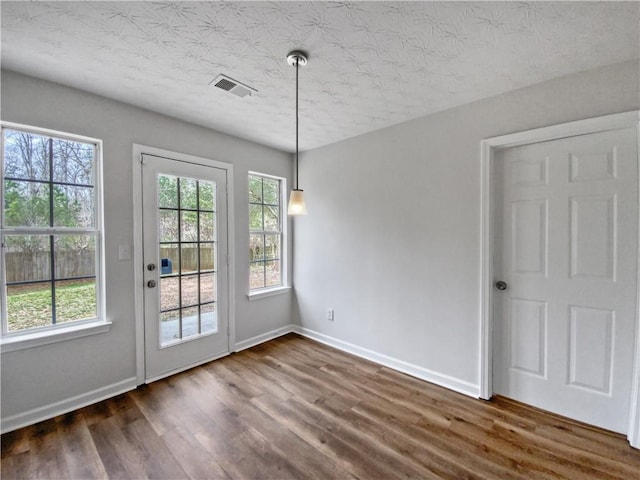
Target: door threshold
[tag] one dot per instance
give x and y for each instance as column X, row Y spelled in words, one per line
column 185, row 368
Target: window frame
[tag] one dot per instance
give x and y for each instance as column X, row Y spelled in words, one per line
column 257, row 293
column 17, row 340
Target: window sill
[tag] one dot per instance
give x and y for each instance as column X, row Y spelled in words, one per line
column 36, row 339
column 267, row 292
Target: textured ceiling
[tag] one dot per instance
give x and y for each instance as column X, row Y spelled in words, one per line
column 371, row 64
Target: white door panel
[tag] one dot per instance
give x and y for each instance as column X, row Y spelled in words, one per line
column 566, row 245
column 185, row 269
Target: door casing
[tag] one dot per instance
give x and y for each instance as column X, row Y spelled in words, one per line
column 138, row 260
column 488, row 146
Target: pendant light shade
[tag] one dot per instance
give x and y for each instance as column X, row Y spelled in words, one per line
column 297, row 205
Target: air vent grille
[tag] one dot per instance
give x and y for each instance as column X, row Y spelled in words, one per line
column 230, row 85
column 226, row 84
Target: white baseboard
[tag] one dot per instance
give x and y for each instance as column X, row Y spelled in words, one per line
column 58, row 408
column 67, row 405
column 440, row 379
column 263, row 337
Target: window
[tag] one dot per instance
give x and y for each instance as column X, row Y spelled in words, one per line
column 266, row 237
column 50, row 231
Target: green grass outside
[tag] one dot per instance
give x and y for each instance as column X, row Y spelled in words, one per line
column 30, row 306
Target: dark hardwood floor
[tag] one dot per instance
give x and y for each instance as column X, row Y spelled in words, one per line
column 296, row 409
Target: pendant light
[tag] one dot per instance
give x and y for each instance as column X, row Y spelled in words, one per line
column 297, row 206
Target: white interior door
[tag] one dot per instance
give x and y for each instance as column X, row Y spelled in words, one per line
column 566, row 247
column 185, row 267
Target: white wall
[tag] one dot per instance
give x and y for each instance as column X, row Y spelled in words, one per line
column 392, row 238
column 40, row 376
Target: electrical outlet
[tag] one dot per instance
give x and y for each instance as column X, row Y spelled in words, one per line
column 330, row 315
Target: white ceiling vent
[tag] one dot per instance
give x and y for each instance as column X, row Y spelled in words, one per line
column 233, row 86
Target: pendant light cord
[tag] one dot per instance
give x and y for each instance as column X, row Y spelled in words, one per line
column 297, row 183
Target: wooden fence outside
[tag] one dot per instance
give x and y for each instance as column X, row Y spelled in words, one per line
column 28, row 266
column 189, row 257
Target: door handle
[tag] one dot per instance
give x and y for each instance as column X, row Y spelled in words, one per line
column 500, row 285
column 151, row 283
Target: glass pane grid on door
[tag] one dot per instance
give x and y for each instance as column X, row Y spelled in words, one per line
column 187, row 251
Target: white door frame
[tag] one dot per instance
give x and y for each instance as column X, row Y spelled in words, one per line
column 488, row 146
column 138, row 261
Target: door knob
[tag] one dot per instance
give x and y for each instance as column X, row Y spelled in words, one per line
column 500, row 285
column 151, row 267
column 151, row 283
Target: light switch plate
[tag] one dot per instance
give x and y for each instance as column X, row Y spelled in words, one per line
column 124, row 252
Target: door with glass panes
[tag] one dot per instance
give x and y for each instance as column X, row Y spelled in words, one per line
column 185, row 268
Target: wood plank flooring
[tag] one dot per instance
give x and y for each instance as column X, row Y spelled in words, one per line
column 296, row 409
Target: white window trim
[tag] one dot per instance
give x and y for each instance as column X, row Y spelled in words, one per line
column 259, row 293
column 53, row 335
column 267, row 292
column 20, row 340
